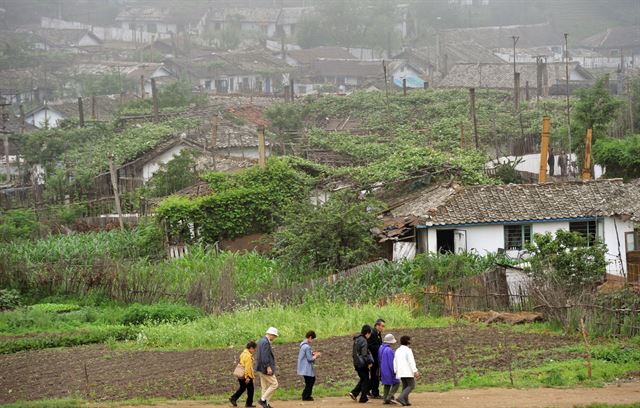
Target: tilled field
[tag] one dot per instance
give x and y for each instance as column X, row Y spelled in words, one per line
column 98, row 373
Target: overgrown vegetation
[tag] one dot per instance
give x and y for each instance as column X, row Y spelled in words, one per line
column 250, row 201
column 620, row 157
column 334, row 235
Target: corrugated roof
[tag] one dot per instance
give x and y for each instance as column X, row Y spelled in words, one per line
column 524, row 202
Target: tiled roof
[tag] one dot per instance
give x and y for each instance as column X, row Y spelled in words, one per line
column 500, row 76
column 233, row 63
column 466, row 51
column 347, row 67
column 255, row 15
column 307, row 56
column 618, row 37
column 530, row 35
column 524, row 202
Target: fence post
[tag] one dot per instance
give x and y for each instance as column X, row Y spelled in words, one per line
column 452, row 359
column 587, row 350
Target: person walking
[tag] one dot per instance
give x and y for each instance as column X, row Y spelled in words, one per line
column 551, row 161
column 562, row 163
column 387, row 371
column 362, row 362
column 265, row 366
column 246, row 382
column 375, row 341
column 306, row 360
column 404, row 365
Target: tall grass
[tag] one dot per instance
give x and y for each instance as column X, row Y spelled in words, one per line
column 327, row 318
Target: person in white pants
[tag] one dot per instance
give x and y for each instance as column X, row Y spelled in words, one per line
column 404, row 365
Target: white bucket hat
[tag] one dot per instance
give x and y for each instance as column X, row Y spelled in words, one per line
column 389, row 339
column 273, row 331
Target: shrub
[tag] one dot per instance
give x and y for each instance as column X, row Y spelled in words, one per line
column 55, row 307
column 17, row 225
column 9, row 299
column 567, row 260
column 160, row 312
column 336, row 234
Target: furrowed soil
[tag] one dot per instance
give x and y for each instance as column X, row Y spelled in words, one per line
column 99, row 373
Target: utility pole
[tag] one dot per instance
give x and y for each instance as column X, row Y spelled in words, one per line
column 386, row 92
column 214, row 140
column 404, row 86
column 586, row 166
column 80, row 112
column 142, row 87
column 630, row 96
column 154, row 95
column 5, row 136
column 544, row 145
column 515, row 79
column 474, row 119
column 566, row 69
column 116, row 195
column 261, row 148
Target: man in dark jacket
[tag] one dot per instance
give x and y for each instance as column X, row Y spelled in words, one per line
column 375, row 341
column 266, row 367
column 362, row 362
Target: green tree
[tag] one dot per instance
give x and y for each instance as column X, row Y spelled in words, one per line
column 286, row 119
column 335, row 235
column 620, row 157
column 175, row 175
column 567, row 261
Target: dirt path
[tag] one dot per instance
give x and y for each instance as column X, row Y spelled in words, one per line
column 483, row 398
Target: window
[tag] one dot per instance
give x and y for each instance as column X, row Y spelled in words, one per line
column 589, row 229
column 515, row 236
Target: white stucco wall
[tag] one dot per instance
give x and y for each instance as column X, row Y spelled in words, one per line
column 531, row 163
column 87, row 40
column 484, row 239
column 40, row 118
column 614, row 237
column 151, row 167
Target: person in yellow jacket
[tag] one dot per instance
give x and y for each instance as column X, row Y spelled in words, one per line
column 246, row 383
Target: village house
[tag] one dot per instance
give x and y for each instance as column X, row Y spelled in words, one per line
column 266, row 21
column 151, row 20
column 258, row 20
column 234, row 72
column 306, row 56
column 544, row 79
column 616, row 42
column 496, row 37
column 502, row 218
column 69, row 40
column 435, row 61
column 352, row 73
column 99, row 108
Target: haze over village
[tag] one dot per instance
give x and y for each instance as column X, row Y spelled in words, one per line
column 435, row 200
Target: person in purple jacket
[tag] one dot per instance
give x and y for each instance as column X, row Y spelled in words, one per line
column 387, row 373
